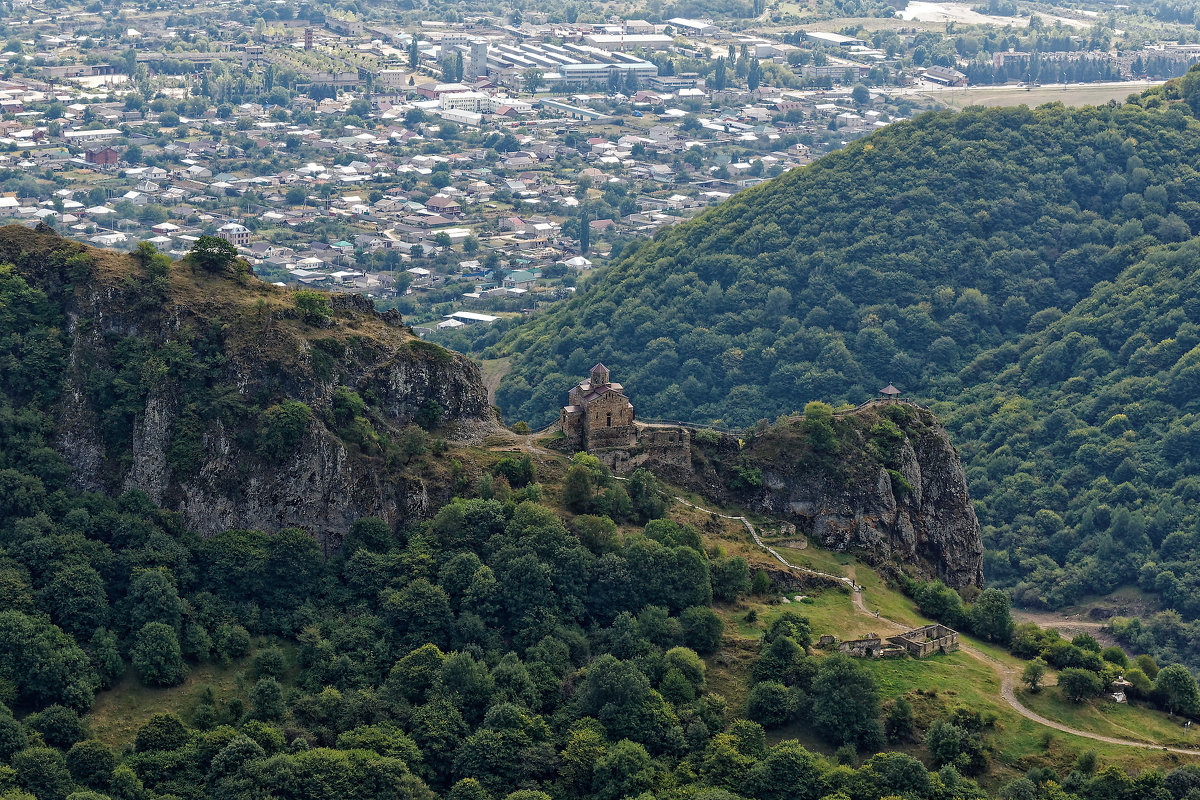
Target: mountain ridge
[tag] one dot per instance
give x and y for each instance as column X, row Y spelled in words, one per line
column 940, row 254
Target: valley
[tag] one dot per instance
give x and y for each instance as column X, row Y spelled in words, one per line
column 735, row 401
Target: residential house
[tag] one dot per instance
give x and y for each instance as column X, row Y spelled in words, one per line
column 234, row 233
column 446, row 206
column 102, row 156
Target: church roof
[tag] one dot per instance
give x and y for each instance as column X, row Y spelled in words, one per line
column 600, row 391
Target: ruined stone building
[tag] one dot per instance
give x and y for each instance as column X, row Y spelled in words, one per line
column 598, row 414
column 918, row 643
column 927, row 640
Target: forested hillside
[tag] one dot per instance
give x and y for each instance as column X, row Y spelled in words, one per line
column 521, row 641
column 227, row 400
column 1030, row 271
column 1083, row 442
column 485, row 653
column 898, row 259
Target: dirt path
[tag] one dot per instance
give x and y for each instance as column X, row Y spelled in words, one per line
column 1007, row 674
column 494, row 371
column 1008, row 678
column 855, row 589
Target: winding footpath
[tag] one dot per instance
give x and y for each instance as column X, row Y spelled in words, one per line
column 1007, row 674
column 854, row 588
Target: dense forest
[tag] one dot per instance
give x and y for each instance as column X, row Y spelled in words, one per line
column 1027, row 271
column 1083, row 441
column 522, row 642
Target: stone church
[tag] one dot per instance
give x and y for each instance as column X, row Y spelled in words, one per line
column 598, row 414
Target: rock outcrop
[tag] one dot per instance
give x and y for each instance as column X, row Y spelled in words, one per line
column 905, row 503
column 170, row 383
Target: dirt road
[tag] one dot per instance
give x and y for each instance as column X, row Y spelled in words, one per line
column 1007, row 674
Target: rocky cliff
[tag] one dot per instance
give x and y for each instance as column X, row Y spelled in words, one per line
column 883, row 481
column 226, row 400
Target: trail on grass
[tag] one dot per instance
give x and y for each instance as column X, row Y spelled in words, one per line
column 1007, row 674
column 854, row 588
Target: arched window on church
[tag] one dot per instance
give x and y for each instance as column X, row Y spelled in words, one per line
column 608, row 420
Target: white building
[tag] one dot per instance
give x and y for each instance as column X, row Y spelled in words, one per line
column 628, row 41
column 97, row 135
column 471, row 119
column 477, row 102
column 392, row 78
column 471, row 317
column 235, row 234
column 694, row 27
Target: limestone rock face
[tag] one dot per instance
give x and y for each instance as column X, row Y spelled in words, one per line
column 931, row 525
column 915, row 511
column 200, row 451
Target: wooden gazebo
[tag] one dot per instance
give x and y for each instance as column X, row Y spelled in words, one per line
column 890, row 393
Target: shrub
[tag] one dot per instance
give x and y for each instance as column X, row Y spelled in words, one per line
column 157, row 657
column 1078, row 684
column 59, row 726
column 702, row 629
column 270, row 662
column 231, row 641
column 745, row 479
column 213, row 254
column 283, row 428
column 1115, row 655
column 1032, row 675
column 185, row 453
column 162, row 732
column 430, row 414
column 770, row 704
column 313, row 306
column 91, row 764
column 517, row 471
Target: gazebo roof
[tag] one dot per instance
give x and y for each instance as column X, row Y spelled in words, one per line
column 890, row 390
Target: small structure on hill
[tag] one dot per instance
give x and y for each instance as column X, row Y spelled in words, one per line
column 871, row 646
column 927, row 640
column 598, row 414
column 1117, row 690
column 918, row 643
column 890, row 393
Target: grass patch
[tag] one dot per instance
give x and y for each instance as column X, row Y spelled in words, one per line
column 119, row 712
column 1073, row 95
column 494, row 370
column 1101, row 715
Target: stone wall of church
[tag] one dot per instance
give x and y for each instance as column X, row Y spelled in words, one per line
column 665, row 450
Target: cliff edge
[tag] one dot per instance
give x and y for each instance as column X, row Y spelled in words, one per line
column 883, row 481
column 243, row 405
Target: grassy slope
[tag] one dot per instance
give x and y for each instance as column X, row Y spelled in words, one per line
column 119, row 712
column 1073, row 95
column 940, row 683
column 1017, row 741
column 933, row 685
